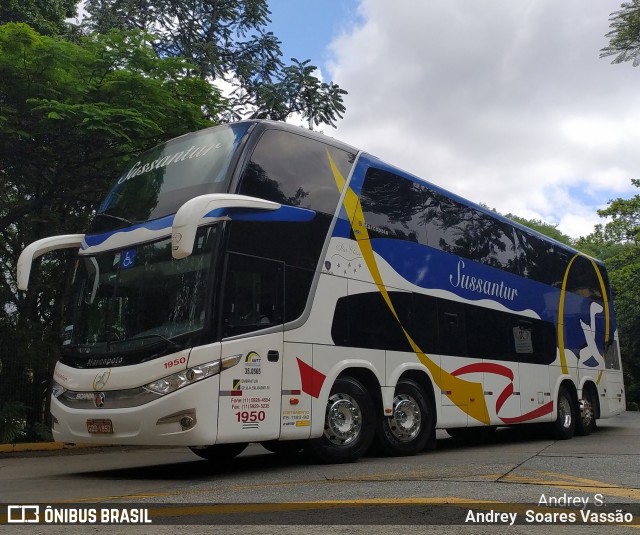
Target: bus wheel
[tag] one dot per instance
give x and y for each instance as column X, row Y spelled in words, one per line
column 348, row 424
column 564, row 426
column 407, row 431
column 586, row 423
column 219, row 452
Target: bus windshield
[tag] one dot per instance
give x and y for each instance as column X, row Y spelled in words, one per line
column 163, row 178
column 139, row 296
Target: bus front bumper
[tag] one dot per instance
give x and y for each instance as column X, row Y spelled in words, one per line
column 186, row 417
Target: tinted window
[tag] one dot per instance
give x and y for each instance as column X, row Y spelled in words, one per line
column 452, row 328
column 497, row 335
column 364, row 320
column 583, row 279
column 541, row 260
column 295, row 170
column 440, row 326
column 495, row 243
column 253, row 295
column 393, row 207
column 424, row 323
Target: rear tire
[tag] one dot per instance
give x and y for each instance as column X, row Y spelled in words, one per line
column 565, row 424
column 348, row 425
column 407, row 431
column 586, row 421
column 219, row 452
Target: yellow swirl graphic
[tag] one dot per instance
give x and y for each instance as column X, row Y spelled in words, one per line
column 466, row 395
column 563, row 291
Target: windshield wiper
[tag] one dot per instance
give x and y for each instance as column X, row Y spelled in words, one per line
column 118, row 218
column 153, row 335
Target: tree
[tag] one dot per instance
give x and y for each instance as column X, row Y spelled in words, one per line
column 624, row 37
column 47, row 17
column 71, row 114
column 226, row 41
column 624, row 226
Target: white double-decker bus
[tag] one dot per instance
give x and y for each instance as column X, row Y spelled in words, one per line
column 257, row 282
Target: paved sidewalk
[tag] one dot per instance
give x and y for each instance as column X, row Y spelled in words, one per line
column 43, row 446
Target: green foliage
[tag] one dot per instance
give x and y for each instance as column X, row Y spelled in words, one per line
column 71, row 115
column 624, row 226
column 227, row 41
column 624, row 37
column 13, row 421
column 47, row 17
column 14, row 426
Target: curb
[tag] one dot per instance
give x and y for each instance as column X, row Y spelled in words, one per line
column 44, row 446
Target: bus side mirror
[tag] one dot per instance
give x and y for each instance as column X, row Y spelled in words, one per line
column 207, row 208
column 40, row 247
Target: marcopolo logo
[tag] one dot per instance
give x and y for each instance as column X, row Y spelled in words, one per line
column 101, row 379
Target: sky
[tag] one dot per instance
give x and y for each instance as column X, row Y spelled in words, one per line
column 503, row 102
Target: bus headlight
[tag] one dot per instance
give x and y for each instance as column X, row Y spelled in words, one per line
column 171, row 383
column 57, row 389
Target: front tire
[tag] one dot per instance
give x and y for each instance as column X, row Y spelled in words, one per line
column 348, row 425
column 407, row 431
column 565, row 424
column 219, row 453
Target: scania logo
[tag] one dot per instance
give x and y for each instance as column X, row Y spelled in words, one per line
column 101, row 379
column 98, row 399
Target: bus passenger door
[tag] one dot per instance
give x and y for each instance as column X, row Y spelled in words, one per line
column 253, row 317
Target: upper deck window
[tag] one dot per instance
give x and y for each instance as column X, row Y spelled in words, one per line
column 294, row 170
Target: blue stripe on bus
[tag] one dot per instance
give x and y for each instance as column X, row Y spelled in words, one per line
column 284, row 213
column 156, row 224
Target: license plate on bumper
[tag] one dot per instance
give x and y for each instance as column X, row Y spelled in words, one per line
column 100, row 427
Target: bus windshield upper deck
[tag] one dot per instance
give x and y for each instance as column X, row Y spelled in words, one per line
column 165, row 177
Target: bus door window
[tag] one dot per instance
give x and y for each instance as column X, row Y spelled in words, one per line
column 253, row 295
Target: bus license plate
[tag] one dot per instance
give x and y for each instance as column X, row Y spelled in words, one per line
column 100, row 427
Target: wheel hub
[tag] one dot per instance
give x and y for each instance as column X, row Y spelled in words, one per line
column 586, row 412
column 406, row 420
column 344, row 419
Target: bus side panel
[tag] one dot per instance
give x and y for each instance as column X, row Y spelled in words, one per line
column 250, row 392
column 536, row 399
column 299, row 383
column 501, row 383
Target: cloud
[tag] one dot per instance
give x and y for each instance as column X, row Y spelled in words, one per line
column 505, row 103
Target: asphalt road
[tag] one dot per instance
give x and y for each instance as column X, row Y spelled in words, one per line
column 454, row 489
